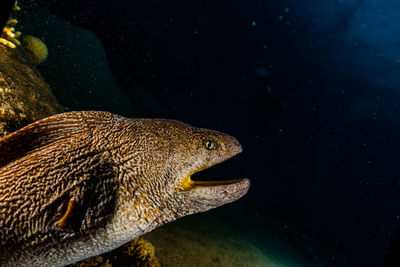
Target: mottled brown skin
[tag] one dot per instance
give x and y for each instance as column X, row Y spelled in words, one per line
column 80, row 184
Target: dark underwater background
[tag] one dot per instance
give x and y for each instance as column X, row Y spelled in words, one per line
column 310, row 88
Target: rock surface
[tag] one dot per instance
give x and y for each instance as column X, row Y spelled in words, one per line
column 24, row 95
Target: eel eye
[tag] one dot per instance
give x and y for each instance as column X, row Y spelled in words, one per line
column 209, row 144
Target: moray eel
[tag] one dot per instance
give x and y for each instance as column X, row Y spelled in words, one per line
column 79, row 184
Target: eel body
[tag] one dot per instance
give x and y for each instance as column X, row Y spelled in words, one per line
column 79, row 184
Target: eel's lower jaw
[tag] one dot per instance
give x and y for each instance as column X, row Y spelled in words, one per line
column 214, row 194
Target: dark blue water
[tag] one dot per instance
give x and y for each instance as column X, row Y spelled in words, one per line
column 310, row 88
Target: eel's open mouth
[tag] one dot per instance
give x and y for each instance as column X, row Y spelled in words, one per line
column 219, row 170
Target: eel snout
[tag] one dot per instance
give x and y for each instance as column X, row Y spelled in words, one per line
column 217, row 192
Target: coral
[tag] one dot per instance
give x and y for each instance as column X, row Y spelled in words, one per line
column 16, row 7
column 137, row 253
column 142, row 253
column 106, row 264
column 9, row 36
column 35, row 48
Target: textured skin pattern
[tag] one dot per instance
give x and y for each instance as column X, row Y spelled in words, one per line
column 123, row 177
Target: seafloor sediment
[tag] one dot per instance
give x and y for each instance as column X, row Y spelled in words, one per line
column 203, row 240
column 198, row 240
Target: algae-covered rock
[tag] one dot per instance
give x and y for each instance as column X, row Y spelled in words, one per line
column 137, row 253
column 142, row 253
column 36, row 48
column 24, row 95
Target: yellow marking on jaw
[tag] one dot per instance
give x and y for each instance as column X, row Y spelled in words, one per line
column 69, row 213
column 187, row 183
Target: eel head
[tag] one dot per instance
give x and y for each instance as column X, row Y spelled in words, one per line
column 184, row 150
column 204, row 149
